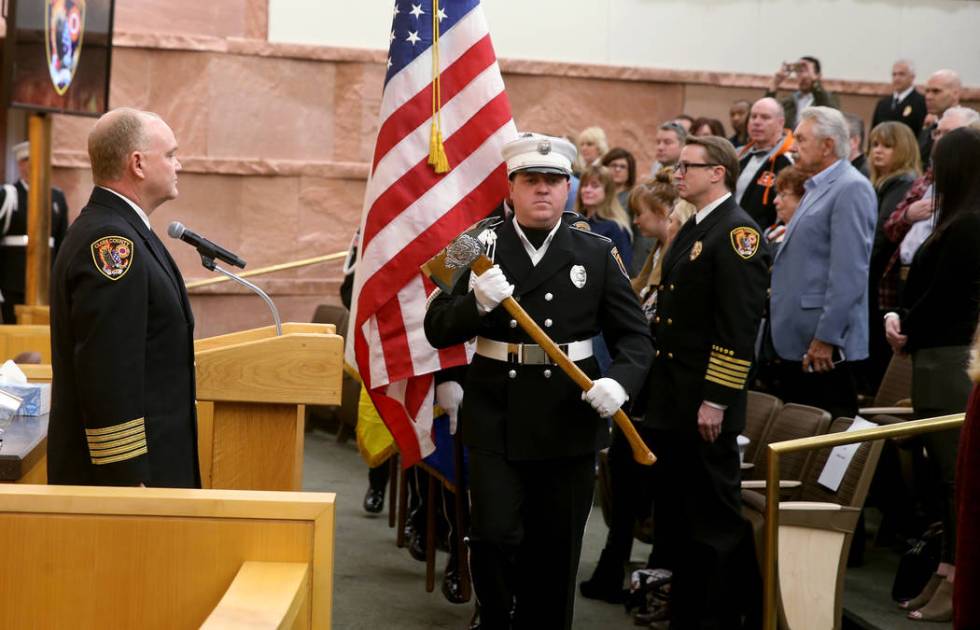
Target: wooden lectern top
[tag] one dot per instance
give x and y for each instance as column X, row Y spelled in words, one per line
column 303, row 366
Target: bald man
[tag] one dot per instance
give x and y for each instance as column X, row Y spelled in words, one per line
column 122, row 331
column 905, row 104
column 761, row 159
column 942, row 92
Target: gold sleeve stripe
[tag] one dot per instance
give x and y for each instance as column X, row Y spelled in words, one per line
column 731, row 359
column 94, row 441
column 138, row 422
column 734, row 381
column 101, row 449
column 118, row 458
column 726, row 367
column 721, row 382
column 120, row 449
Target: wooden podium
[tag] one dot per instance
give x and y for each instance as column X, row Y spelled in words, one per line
column 252, row 392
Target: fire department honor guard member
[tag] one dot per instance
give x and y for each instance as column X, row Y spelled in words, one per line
column 711, row 299
column 121, row 324
column 532, row 432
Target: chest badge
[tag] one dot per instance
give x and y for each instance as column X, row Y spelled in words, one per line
column 696, row 250
column 766, row 179
column 907, row 111
column 113, row 255
column 578, row 276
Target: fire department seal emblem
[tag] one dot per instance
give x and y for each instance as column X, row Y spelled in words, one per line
column 745, row 240
column 113, row 256
column 64, row 26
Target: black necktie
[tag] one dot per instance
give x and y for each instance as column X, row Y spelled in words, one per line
column 895, row 103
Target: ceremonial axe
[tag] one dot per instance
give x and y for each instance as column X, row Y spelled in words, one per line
column 467, row 252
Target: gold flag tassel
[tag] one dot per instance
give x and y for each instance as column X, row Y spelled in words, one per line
column 437, row 150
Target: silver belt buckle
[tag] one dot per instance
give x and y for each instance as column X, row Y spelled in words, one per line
column 535, row 355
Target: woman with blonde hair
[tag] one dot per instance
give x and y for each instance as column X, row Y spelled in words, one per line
column 895, row 165
column 592, row 145
column 597, row 202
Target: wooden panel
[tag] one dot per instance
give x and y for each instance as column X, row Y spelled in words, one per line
column 265, row 332
column 297, row 368
column 16, row 339
column 257, row 446
column 146, row 564
column 264, row 595
column 32, row 315
column 808, row 564
column 36, row 373
column 205, row 440
column 37, row 474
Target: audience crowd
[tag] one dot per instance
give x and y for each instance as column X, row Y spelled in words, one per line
column 874, row 237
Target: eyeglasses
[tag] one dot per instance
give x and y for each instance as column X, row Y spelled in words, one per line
column 683, row 166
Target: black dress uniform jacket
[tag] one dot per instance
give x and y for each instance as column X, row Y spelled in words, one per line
column 759, row 198
column 517, row 410
column 711, row 299
column 122, row 356
column 13, row 257
column 911, row 110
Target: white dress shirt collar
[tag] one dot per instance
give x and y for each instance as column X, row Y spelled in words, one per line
column 903, row 95
column 139, row 211
column 535, row 254
column 703, row 213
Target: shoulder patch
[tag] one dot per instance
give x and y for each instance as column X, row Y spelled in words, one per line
column 113, row 256
column 745, row 241
column 582, row 225
column 619, row 261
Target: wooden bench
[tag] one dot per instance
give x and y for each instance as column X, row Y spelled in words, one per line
column 93, row 557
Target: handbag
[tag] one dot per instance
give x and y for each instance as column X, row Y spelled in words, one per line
column 918, row 563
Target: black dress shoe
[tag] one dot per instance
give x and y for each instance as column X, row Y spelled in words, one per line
column 452, row 585
column 374, row 501
column 416, row 545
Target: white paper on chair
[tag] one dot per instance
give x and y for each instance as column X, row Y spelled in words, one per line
column 840, row 458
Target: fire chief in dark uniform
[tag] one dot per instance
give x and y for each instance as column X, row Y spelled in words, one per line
column 711, row 299
column 532, row 433
column 13, row 239
column 121, row 324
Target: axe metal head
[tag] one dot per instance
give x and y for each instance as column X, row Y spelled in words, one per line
column 446, row 267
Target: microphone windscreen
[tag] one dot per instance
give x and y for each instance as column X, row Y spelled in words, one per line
column 176, row 229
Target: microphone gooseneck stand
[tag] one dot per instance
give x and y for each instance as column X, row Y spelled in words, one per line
column 210, row 265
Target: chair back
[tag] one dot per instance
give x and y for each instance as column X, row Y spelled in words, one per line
column 793, row 421
column 760, row 409
column 896, row 384
column 854, row 486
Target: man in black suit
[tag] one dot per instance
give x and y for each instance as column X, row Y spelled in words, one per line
column 905, row 104
column 942, row 92
column 761, row 159
column 531, row 432
column 121, row 324
column 712, row 296
column 13, row 240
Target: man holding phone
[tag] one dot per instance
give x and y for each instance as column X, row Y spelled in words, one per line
column 810, row 91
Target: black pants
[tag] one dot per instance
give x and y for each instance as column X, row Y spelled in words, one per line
column 716, row 580
column 10, row 299
column 942, row 447
column 834, row 391
column 528, row 518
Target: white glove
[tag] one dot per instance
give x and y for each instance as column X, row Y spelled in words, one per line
column 606, row 396
column 448, row 396
column 491, row 288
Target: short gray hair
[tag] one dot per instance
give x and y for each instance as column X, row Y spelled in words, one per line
column 855, row 126
column 908, row 63
column 670, row 125
column 829, row 123
column 966, row 115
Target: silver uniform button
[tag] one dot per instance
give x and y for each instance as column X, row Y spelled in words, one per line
column 512, row 374
column 548, row 297
column 547, row 373
column 548, row 323
column 513, row 323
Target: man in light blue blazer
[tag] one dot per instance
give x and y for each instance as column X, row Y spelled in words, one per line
column 819, row 305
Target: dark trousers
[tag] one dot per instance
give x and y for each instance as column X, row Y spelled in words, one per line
column 528, row 518
column 632, row 500
column 716, row 580
column 834, row 391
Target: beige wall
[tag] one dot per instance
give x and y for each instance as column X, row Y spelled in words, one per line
column 275, row 137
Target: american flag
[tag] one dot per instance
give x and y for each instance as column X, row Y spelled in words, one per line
column 411, row 212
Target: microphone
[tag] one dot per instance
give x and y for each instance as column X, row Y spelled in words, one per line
column 206, row 248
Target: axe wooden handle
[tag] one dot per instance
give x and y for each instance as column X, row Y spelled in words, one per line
column 641, row 453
